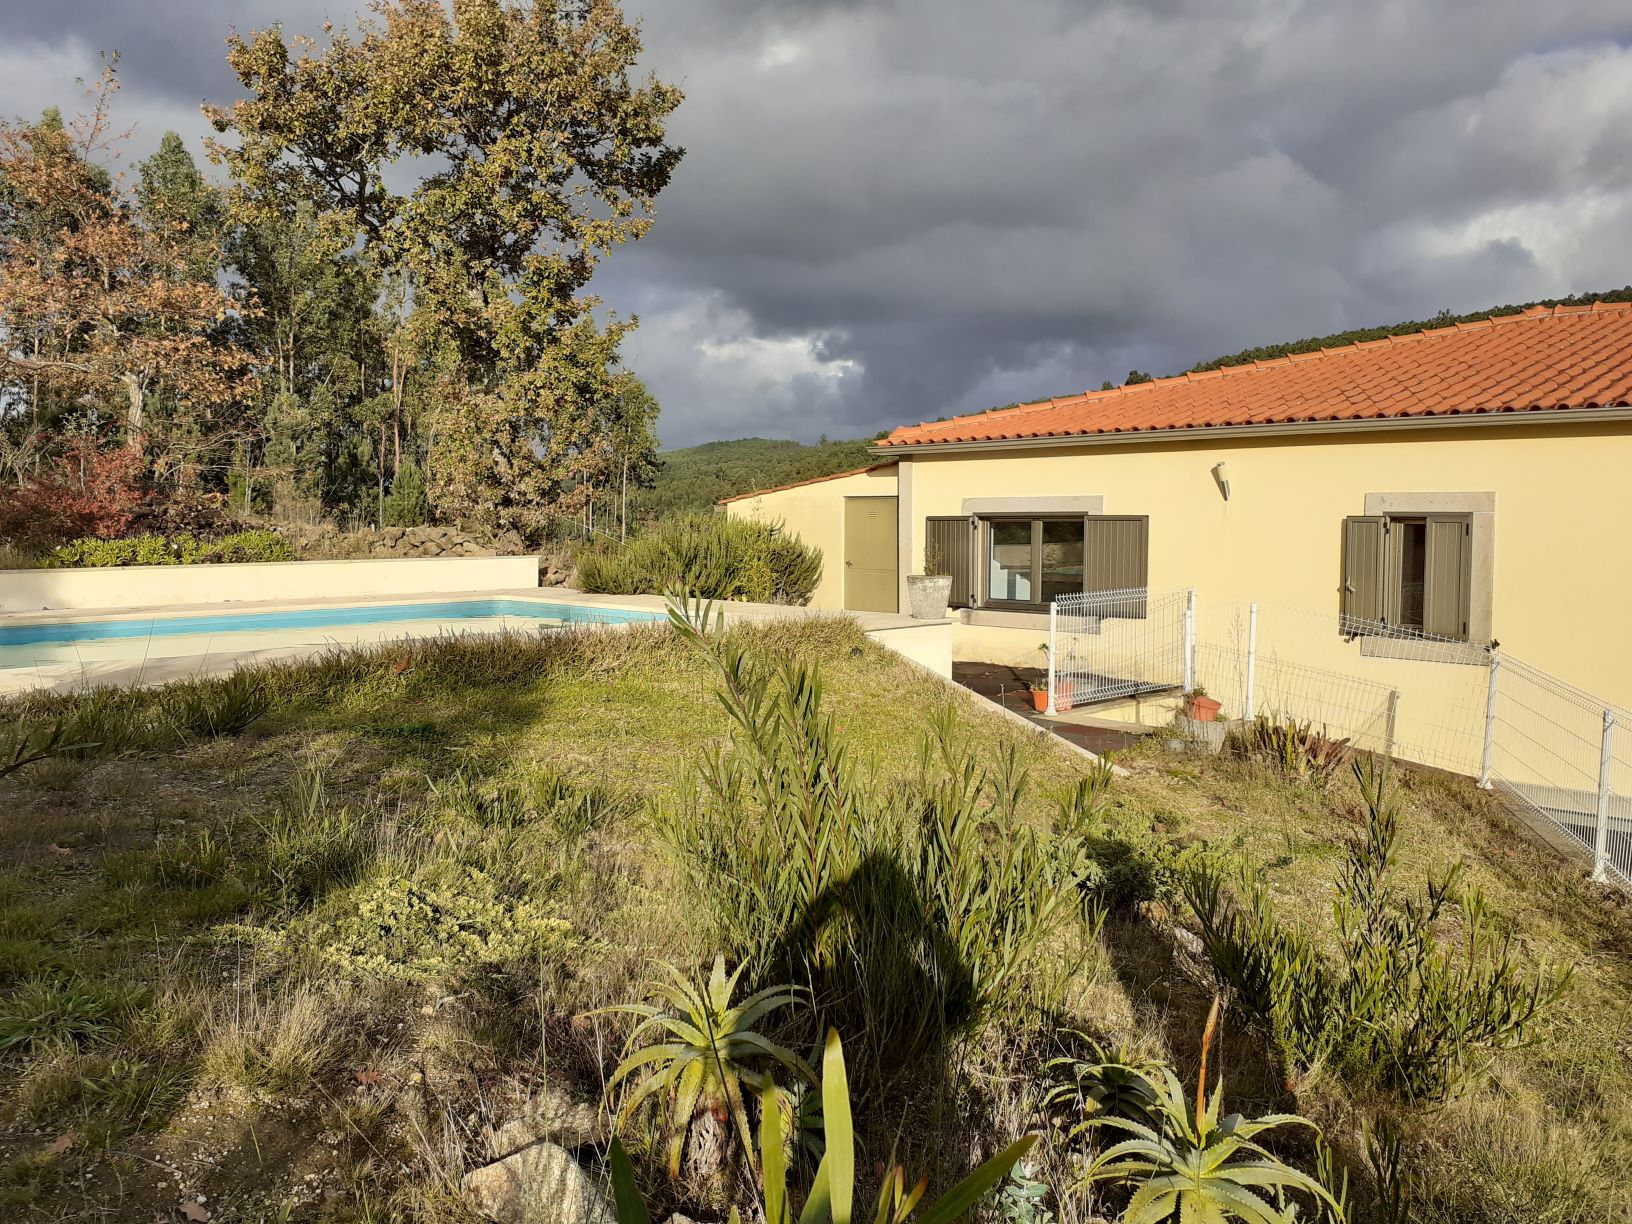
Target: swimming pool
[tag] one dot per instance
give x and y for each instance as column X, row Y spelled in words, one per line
column 44, row 643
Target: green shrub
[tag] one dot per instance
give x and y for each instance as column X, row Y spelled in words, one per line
column 1401, row 1010
column 1293, row 747
column 181, row 549
column 912, row 912
column 446, row 918
column 710, row 555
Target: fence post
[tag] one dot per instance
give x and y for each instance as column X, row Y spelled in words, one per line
column 1393, row 718
column 1053, row 651
column 1600, row 855
column 1190, row 639
column 1490, row 721
column 1252, row 659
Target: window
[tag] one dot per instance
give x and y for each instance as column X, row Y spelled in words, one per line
column 1407, row 572
column 1026, row 562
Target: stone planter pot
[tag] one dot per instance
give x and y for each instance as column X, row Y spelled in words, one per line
column 927, row 595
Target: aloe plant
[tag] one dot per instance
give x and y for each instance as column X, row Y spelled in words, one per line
column 706, row 1050
column 831, row 1199
column 1187, row 1163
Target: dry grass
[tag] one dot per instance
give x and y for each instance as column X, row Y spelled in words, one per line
column 237, row 1030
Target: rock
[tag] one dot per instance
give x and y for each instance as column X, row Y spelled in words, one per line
column 541, row 1184
column 552, row 1115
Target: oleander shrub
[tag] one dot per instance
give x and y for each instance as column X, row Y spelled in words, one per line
column 1424, row 987
column 913, row 912
column 711, row 556
column 181, row 549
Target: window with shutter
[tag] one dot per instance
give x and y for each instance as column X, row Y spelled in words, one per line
column 1026, row 562
column 1407, row 572
column 949, row 548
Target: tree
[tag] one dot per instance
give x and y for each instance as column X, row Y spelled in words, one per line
column 183, row 212
column 96, row 309
column 542, row 155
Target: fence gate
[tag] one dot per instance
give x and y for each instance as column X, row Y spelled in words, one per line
column 1108, row 645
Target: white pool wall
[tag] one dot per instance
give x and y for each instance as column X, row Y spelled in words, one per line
column 160, row 586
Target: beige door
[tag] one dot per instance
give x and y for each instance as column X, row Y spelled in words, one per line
column 870, row 579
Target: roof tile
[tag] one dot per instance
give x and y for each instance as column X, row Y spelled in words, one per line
column 1544, row 359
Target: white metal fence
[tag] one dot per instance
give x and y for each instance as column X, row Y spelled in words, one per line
column 1554, row 752
column 1565, row 756
column 1111, row 645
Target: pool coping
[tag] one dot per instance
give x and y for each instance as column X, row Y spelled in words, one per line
column 557, row 595
column 897, row 631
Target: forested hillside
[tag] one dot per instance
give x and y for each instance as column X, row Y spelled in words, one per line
column 1443, row 319
column 696, row 477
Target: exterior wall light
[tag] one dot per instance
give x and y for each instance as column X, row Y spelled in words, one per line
column 1222, row 480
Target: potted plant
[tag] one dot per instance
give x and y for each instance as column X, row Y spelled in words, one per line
column 928, row 592
column 1062, row 684
column 1039, row 694
column 1200, row 707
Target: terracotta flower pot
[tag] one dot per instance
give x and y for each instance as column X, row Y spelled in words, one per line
column 1205, row 709
column 1062, row 697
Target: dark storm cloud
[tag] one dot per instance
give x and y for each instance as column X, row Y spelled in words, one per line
column 890, row 211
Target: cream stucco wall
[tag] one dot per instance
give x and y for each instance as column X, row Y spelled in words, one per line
column 153, row 586
column 815, row 513
column 1560, row 581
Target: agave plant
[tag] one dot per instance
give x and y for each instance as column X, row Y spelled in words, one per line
column 831, row 1199
column 1117, row 1082
column 1189, row 1164
column 706, row 1051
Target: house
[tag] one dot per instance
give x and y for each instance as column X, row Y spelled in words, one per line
column 1471, row 482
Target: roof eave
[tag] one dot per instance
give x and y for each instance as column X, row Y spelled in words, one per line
column 1552, row 416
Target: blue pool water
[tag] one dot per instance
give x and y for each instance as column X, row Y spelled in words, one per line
column 452, row 612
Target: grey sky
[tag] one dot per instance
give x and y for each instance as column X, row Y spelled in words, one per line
column 899, row 209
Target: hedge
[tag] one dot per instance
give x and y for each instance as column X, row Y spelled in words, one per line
column 183, row 549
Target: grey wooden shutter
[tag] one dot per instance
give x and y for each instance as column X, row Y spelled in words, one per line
column 951, row 541
column 1116, row 557
column 1363, row 553
column 1445, row 595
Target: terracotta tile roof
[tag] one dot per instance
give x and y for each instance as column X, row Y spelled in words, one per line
column 871, row 467
column 1545, row 359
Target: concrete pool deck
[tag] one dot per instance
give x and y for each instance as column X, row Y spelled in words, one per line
column 158, row 660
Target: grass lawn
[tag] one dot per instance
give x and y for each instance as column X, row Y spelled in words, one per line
column 303, row 969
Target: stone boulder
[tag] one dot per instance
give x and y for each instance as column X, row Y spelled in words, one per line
column 541, row 1184
column 554, row 1115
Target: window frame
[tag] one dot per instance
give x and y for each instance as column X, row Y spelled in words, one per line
column 1036, row 520
column 1391, row 574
